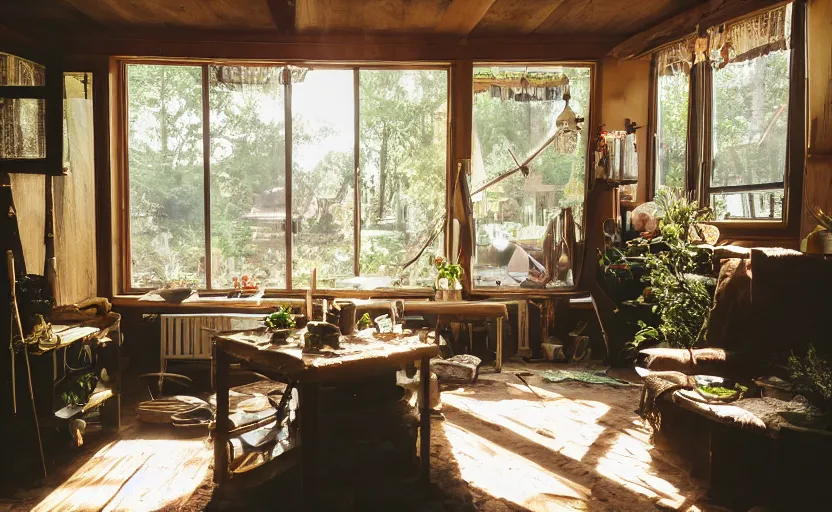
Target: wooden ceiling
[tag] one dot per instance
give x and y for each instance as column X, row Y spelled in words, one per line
column 475, row 18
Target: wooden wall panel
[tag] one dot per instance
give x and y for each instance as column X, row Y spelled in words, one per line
column 817, row 187
column 75, row 230
column 74, row 197
column 625, row 92
column 29, row 200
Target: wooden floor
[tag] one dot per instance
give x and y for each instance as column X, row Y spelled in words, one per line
column 505, row 443
column 135, row 472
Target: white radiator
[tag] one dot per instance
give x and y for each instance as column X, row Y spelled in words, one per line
column 188, row 337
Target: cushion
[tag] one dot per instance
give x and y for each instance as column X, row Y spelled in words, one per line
column 708, row 361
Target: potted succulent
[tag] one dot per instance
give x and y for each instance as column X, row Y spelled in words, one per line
column 279, row 324
column 448, row 280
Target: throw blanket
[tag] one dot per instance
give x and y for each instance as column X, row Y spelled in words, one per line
column 655, row 385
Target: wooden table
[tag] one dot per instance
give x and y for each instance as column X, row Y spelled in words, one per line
column 463, row 310
column 361, row 356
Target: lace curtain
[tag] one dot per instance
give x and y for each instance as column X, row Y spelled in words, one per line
column 236, row 77
column 751, row 37
column 737, row 41
column 522, row 86
column 22, row 125
column 675, row 58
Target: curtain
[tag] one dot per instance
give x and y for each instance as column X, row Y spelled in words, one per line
column 751, row 37
column 675, row 58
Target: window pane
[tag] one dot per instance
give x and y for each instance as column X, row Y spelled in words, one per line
column 22, row 128
column 323, row 177
column 403, row 123
column 512, row 215
column 671, row 132
column 767, row 204
column 17, row 71
column 164, row 132
column 248, row 162
column 750, row 121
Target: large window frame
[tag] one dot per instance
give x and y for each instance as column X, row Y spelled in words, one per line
column 700, row 160
column 589, row 125
column 124, row 284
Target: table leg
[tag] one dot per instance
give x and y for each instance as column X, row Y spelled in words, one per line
column 424, row 421
column 498, row 364
column 223, row 362
column 470, row 338
column 309, row 408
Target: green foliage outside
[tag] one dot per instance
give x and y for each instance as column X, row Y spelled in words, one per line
column 750, row 125
column 519, row 207
column 402, row 177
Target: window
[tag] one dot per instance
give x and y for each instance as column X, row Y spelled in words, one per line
column 403, row 119
column 672, row 90
column 514, row 118
column 31, row 116
column 358, row 155
column 750, row 123
column 740, row 140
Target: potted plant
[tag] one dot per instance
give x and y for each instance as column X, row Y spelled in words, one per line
column 448, row 285
column 279, row 324
column 819, row 241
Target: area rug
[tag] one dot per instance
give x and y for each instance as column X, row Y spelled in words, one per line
column 585, row 376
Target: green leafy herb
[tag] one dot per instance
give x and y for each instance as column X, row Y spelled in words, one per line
column 364, row 321
column 280, row 319
column 812, row 377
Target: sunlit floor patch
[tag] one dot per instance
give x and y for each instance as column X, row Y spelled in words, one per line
column 133, row 475
column 628, row 462
column 504, row 474
column 565, row 426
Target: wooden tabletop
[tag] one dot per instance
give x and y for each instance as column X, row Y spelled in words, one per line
column 360, row 354
column 468, row 309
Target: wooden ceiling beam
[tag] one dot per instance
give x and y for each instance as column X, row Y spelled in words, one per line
column 461, row 16
column 544, row 17
column 550, row 21
column 708, row 14
column 335, row 47
column 283, row 15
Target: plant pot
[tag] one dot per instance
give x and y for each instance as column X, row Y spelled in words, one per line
column 453, row 295
column 279, row 336
column 440, row 295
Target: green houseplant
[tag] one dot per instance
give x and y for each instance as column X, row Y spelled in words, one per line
column 279, row 323
column 448, row 281
column 679, row 296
